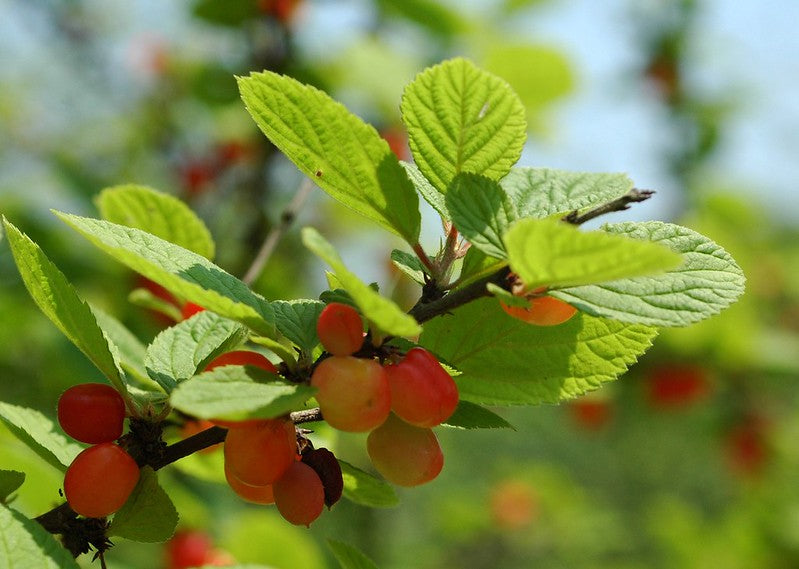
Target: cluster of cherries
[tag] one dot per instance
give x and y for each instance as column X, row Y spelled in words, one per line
column 102, row 477
column 397, row 403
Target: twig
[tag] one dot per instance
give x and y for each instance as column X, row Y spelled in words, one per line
column 619, row 204
column 286, row 219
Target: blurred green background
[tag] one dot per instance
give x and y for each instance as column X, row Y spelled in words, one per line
column 688, row 461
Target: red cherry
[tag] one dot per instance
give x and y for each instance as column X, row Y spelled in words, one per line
column 190, row 309
column 591, row 414
column 542, row 311
column 676, row 385
column 91, row 413
column 299, row 494
column 259, row 454
column 340, row 329
column 100, row 480
column 188, row 548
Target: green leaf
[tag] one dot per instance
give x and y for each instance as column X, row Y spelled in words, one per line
column 156, row 213
column 235, row 393
column 10, row 481
column 349, row 557
column 40, row 435
column 476, row 265
column 56, row 297
column 408, row 264
column 542, row 192
column 437, row 17
column 130, row 350
column 380, row 311
column 481, row 211
column 177, row 353
column 183, row 272
column 362, row 488
column 504, row 361
column 346, row 157
column 462, row 119
column 546, row 252
column 144, row 298
column 472, row 416
column 25, row 543
column 149, row 515
column 296, row 320
column 707, row 282
column 426, row 189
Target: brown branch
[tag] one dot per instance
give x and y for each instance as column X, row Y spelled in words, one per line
column 619, row 204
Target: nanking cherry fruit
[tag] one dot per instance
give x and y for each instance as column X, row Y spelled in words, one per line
column 422, row 392
column 299, row 495
column 353, row 393
column 542, row 311
column 404, row 454
column 100, row 480
column 248, row 492
column 340, row 329
column 259, row 454
column 91, row 413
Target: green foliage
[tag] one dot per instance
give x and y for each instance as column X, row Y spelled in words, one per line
column 149, row 515
column 462, row 119
column 296, row 320
column 10, row 481
column 705, row 283
column 58, row 300
column 130, row 350
column 40, row 435
column 157, row 213
column 542, row 192
column 408, row 264
column 481, row 211
column 349, row 557
column 235, row 393
column 546, row 252
column 342, row 154
column 380, row 311
column 362, row 488
column 25, row 543
column 186, row 273
column 471, row 416
column 504, row 361
column 180, row 351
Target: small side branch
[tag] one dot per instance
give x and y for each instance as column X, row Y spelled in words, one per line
column 619, row 204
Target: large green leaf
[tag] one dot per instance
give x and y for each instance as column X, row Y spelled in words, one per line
column 40, row 434
column 364, row 489
column 481, row 211
column 158, row 213
column 346, row 157
column 56, row 297
column 149, row 515
column 380, row 311
column 462, row 119
column 10, row 481
column 25, row 543
column 296, row 320
column 349, row 557
column 504, row 361
column 541, row 192
column 130, row 350
column 705, row 283
column 546, row 252
column 178, row 352
column 236, row 393
column 471, row 416
column 179, row 270
column 426, row 189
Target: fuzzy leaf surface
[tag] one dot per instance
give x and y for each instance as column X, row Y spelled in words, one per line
column 705, row 283
column 235, row 393
column 59, row 301
column 179, row 270
column 149, row 515
column 349, row 557
column 504, row 361
column 157, row 213
column 25, row 543
column 541, row 192
column 178, row 352
column 364, row 489
column 545, row 252
column 343, row 155
column 472, row 416
column 481, row 211
column 462, row 119
column 380, row 311
column 408, row 264
column 430, row 194
column 296, row 320
column 40, row 434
